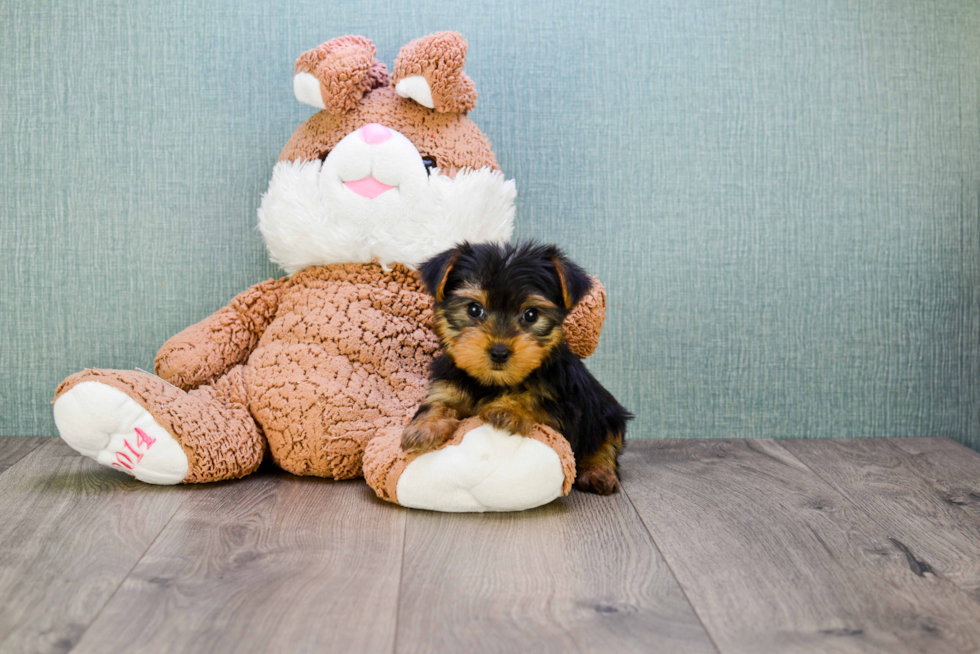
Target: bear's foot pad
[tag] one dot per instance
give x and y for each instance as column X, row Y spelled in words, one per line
column 488, row 470
column 106, row 424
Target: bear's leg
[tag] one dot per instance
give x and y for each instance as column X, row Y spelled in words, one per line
column 480, row 468
column 319, row 410
column 136, row 422
column 325, row 435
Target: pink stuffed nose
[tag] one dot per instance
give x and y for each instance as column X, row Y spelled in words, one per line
column 373, row 133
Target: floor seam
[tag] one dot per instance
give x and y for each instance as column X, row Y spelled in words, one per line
column 670, row 569
column 874, row 520
column 401, row 579
column 46, row 440
column 928, row 479
column 128, row 573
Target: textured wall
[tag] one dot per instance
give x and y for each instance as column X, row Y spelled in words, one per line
column 783, row 198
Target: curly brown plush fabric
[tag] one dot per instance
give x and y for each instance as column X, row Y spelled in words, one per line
column 205, row 351
column 212, row 423
column 440, row 59
column 345, row 358
column 319, row 363
column 385, row 461
column 346, row 69
column 312, row 367
column 584, row 324
column 452, row 139
column 334, row 354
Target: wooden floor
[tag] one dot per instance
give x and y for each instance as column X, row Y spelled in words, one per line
column 715, row 546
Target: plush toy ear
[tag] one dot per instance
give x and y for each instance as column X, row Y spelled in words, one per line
column 336, row 75
column 435, row 272
column 575, row 282
column 430, row 71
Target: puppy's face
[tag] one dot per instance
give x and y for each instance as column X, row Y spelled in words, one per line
column 498, row 341
column 499, row 309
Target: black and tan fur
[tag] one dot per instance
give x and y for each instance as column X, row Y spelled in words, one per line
column 498, row 313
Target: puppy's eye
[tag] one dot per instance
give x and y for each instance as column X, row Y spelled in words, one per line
column 474, row 310
column 530, row 316
column 429, row 163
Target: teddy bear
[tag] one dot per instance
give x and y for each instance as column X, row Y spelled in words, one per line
column 322, row 369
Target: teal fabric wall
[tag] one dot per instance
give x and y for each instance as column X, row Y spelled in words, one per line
column 782, row 198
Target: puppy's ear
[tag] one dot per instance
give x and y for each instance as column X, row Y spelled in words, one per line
column 435, row 272
column 575, row 283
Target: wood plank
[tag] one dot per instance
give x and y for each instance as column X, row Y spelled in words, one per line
column 885, row 481
column 70, row 531
column 774, row 559
column 952, row 468
column 578, row 575
column 15, row 448
column 270, row 563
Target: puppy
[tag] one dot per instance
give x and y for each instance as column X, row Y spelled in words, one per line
column 498, row 313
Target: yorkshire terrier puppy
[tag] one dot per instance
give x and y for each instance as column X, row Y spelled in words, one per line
column 498, row 313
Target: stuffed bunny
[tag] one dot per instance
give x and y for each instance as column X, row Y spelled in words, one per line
column 322, row 369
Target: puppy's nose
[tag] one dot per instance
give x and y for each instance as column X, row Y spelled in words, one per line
column 499, row 353
column 374, row 133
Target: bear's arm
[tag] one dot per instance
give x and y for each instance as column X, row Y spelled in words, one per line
column 584, row 324
column 205, row 351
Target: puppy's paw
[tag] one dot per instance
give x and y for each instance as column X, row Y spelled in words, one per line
column 424, row 435
column 601, row 481
column 510, row 421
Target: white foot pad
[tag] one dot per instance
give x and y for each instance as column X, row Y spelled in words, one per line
column 490, row 470
column 105, row 424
